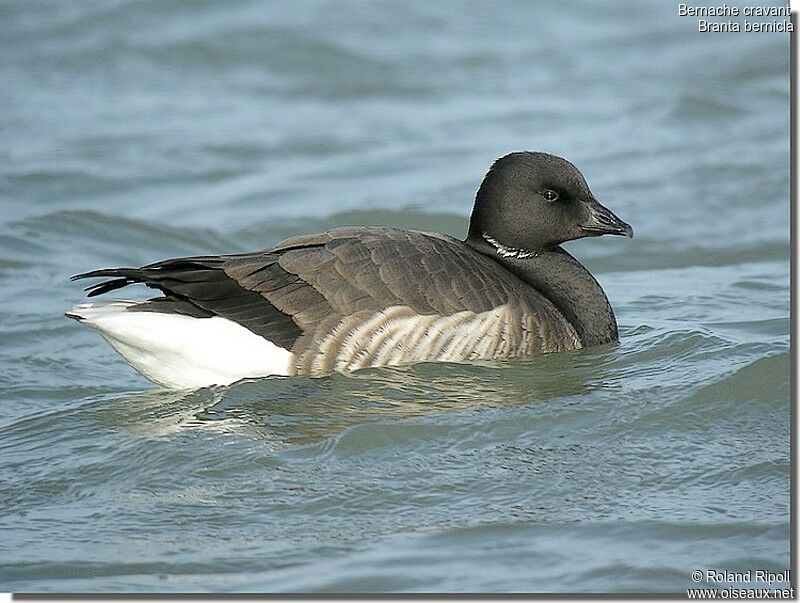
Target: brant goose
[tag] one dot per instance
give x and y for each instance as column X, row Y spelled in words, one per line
column 357, row 297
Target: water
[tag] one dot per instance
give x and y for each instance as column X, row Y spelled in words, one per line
column 133, row 132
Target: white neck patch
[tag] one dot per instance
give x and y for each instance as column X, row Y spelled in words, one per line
column 507, row 252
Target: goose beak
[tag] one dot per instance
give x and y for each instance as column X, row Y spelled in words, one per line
column 602, row 220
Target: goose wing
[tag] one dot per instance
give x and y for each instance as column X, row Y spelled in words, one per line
column 299, row 292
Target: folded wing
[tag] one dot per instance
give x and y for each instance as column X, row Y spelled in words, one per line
column 313, row 294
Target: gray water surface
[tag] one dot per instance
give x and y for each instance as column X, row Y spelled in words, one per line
column 132, row 132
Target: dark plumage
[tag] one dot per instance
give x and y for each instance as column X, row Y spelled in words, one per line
column 361, row 296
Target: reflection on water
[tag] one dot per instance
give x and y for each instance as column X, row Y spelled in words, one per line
column 156, row 412
column 305, row 410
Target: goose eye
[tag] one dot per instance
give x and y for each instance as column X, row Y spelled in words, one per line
column 550, row 195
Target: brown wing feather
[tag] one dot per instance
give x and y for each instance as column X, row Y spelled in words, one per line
column 298, row 292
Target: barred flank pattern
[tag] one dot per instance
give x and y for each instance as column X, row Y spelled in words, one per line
column 398, row 336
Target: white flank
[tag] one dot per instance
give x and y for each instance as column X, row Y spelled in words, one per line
column 178, row 351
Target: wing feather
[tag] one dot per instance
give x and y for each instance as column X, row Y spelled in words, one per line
column 297, row 292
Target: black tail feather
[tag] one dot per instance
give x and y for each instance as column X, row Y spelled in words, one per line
column 201, row 287
column 107, row 272
column 122, row 278
column 106, row 286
